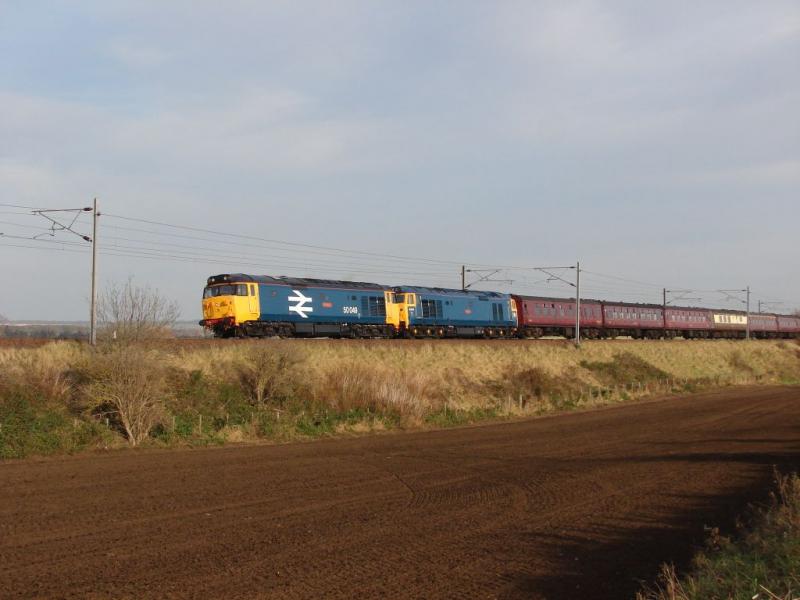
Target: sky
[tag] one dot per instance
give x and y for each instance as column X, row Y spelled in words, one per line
column 657, row 143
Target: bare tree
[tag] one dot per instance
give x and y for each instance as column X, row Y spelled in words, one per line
column 134, row 313
column 3, row 319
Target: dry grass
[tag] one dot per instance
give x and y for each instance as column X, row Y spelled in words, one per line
column 280, row 389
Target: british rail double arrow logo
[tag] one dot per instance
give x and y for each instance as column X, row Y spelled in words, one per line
column 300, row 307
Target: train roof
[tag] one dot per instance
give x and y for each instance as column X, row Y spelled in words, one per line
column 591, row 301
column 415, row 289
column 293, row 281
column 646, row 305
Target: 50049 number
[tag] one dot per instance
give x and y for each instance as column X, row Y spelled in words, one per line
column 350, row 310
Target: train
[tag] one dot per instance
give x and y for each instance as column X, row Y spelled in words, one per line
column 241, row 305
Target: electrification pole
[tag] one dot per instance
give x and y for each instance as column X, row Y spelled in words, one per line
column 748, row 313
column 93, row 316
column 576, row 284
column 463, row 277
column 56, row 226
column 578, row 304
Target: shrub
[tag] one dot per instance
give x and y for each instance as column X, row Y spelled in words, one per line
column 132, row 384
column 267, row 373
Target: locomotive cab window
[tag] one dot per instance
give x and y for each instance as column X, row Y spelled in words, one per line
column 225, row 290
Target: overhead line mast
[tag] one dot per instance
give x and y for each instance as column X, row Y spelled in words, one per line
column 55, row 226
column 93, row 324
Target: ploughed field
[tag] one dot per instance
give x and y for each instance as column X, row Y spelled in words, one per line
column 581, row 505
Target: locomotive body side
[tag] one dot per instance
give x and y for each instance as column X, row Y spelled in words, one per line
column 296, row 307
column 440, row 312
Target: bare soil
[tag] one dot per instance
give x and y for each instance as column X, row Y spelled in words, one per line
column 581, row 505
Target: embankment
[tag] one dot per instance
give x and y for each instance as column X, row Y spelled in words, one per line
column 64, row 397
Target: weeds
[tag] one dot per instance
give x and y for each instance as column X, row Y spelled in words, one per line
column 30, row 426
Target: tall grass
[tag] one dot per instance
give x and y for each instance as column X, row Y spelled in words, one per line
column 285, row 389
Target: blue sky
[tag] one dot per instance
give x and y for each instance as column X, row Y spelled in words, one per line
column 657, row 143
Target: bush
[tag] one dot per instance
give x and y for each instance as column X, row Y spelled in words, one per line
column 130, row 384
column 267, row 373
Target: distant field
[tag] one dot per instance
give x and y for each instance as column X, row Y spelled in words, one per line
column 63, row 396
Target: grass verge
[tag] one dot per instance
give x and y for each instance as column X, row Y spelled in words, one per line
column 65, row 397
column 762, row 564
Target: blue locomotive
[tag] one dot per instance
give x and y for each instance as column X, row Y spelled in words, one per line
column 441, row 312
